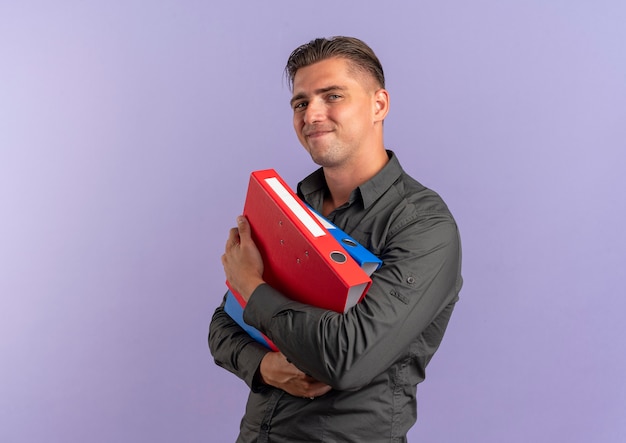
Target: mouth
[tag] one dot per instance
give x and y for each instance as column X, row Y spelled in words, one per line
column 316, row 133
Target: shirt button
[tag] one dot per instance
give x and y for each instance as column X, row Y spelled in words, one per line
column 265, row 427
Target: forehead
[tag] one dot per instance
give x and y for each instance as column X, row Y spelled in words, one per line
column 333, row 71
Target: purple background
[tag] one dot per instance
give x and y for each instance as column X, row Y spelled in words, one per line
column 127, row 133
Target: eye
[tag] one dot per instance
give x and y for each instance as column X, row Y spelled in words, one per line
column 333, row 97
column 298, row 106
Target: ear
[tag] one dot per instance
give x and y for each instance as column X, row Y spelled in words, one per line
column 381, row 104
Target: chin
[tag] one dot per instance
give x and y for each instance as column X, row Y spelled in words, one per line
column 326, row 161
column 325, row 155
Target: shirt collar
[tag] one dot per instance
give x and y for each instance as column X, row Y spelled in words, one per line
column 313, row 187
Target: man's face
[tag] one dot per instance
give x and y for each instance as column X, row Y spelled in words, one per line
column 333, row 111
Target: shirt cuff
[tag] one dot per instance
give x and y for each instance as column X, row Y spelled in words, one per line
column 264, row 303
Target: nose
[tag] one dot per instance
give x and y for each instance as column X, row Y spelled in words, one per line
column 315, row 112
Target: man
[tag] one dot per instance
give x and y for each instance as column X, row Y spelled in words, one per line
column 344, row 377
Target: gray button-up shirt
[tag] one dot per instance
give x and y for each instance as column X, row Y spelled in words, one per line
column 376, row 353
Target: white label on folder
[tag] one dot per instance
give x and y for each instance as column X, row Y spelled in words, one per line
column 297, row 210
column 323, row 221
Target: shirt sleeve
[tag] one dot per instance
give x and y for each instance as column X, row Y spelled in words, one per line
column 419, row 281
column 233, row 349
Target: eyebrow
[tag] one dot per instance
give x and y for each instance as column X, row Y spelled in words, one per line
column 323, row 90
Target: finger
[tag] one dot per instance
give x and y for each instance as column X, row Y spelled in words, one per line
column 315, row 390
column 244, row 228
column 233, row 238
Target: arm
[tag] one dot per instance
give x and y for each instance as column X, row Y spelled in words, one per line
column 413, row 292
column 233, row 349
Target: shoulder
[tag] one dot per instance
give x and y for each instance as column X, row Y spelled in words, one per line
column 415, row 203
column 407, row 213
column 405, row 192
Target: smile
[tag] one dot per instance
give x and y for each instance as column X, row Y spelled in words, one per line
column 316, row 134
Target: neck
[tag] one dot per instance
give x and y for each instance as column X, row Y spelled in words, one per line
column 344, row 179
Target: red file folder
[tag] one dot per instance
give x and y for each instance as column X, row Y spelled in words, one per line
column 301, row 258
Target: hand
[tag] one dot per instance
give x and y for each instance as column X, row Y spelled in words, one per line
column 242, row 260
column 276, row 371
